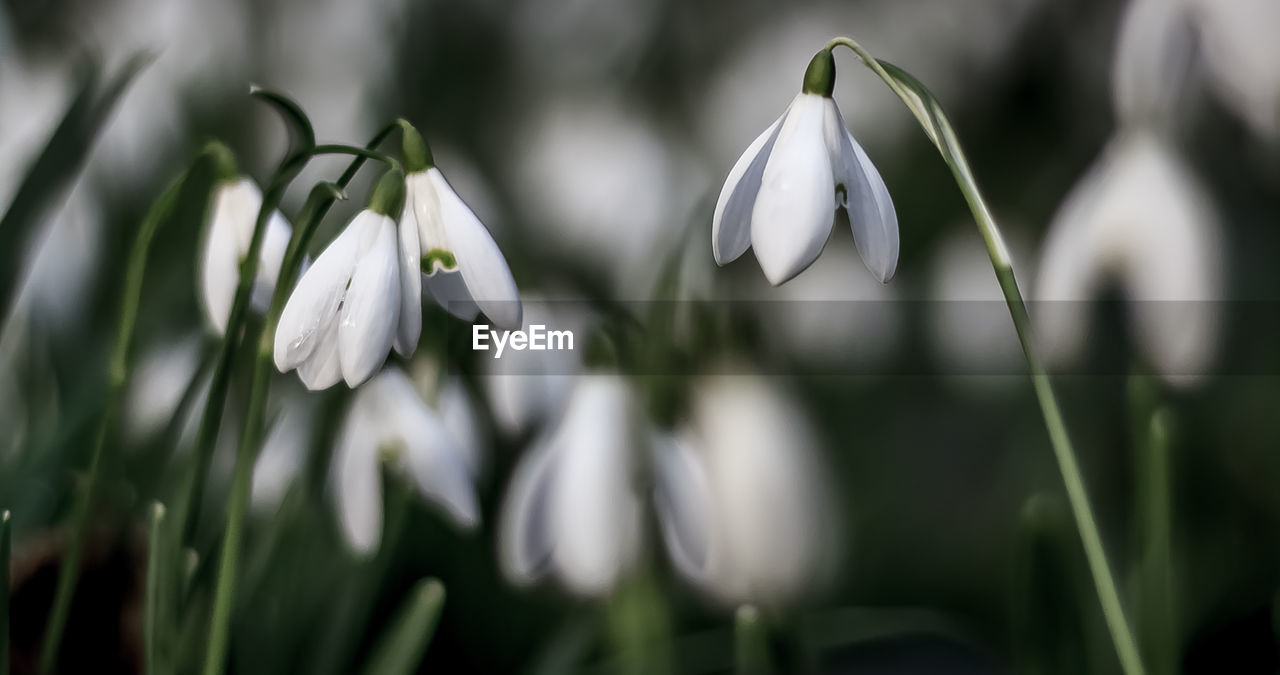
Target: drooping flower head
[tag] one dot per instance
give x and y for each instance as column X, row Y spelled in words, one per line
column 781, row 196
column 345, row 314
column 464, row 270
column 233, row 215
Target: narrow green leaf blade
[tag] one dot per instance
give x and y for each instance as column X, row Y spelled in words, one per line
column 750, row 638
column 57, row 166
column 401, row 648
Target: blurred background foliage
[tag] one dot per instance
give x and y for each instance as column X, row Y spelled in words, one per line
column 590, row 137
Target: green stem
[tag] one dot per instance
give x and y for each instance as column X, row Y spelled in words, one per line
column 153, row 621
column 1156, row 602
column 117, row 376
column 5, row 545
column 400, row 649
column 750, row 641
column 318, row 204
column 936, row 125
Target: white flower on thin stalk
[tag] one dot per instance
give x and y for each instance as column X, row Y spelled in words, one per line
column 1140, row 219
column 345, row 313
column 572, row 510
column 388, row 423
column 741, row 497
column 781, row 197
column 464, row 271
column 234, row 212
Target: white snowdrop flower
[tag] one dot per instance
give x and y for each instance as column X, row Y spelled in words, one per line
column 781, row 196
column 345, row 313
column 388, row 422
column 741, row 497
column 571, row 510
column 234, row 212
column 1138, row 218
column 1243, row 57
column 464, row 269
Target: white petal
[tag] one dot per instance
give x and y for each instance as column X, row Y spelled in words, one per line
column 357, row 479
column 489, row 281
column 525, row 545
column 371, row 308
column 450, row 292
column 322, row 369
column 683, row 502
column 595, row 513
column 275, row 241
column 731, row 224
column 219, row 271
column 410, row 325
column 867, row 201
column 795, row 207
column 315, row 301
column 433, row 459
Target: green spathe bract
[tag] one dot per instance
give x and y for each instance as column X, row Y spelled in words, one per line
column 388, row 194
column 820, row 76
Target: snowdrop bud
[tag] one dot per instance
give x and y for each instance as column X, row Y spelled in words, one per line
column 228, row 236
column 781, row 196
column 1139, row 218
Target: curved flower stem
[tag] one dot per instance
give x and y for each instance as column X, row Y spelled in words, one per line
column 318, row 203
column 117, row 377
column 936, row 125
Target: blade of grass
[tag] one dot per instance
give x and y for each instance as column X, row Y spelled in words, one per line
column 117, row 378
column 400, row 649
column 57, row 166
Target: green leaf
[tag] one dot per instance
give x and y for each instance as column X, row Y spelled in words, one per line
column 401, row 647
column 57, row 166
column 302, row 137
column 1049, row 635
column 154, row 619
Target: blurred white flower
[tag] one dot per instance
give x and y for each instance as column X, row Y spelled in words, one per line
column 781, row 196
column 226, row 242
column 1153, row 52
column 161, row 376
column 1243, row 57
column 968, row 321
column 586, row 163
column 283, row 454
column 741, row 495
column 345, row 313
column 572, row 509
column 465, row 271
column 1141, row 219
column 388, row 423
